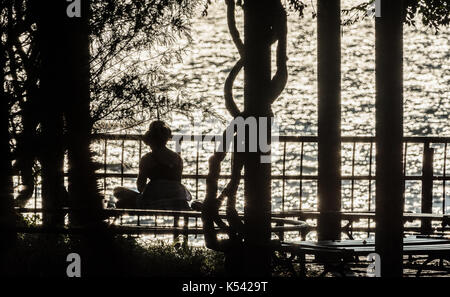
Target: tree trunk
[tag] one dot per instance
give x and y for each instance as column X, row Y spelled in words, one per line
column 71, row 46
column 329, row 122
column 389, row 134
column 7, row 219
column 83, row 190
column 52, row 92
column 257, row 77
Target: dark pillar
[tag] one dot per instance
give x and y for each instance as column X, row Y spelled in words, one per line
column 83, row 190
column 52, row 94
column 329, row 96
column 7, row 218
column 427, row 186
column 389, row 134
column 256, row 103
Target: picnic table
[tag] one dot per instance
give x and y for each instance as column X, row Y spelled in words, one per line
column 339, row 255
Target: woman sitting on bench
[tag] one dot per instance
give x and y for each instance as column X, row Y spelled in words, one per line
column 163, row 168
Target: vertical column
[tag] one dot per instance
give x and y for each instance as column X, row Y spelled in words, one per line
column 7, row 215
column 82, row 181
column 329, row 122
column 389, row 134
column 50, row 43
column 427, row 186
column 257, row 179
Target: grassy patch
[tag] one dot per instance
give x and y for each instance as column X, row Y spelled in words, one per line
column 45, row 255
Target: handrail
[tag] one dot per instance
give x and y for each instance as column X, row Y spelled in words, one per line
column 282, row 138
column 287, row 173
column 277, row 217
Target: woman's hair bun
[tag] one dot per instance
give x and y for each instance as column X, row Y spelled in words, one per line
column 158, row 133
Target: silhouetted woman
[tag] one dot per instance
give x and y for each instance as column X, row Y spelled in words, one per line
column 163, row 168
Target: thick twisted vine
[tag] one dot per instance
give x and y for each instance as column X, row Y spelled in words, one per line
column 228, row 89
column 235, row 36
column 212, row 202
column 279, row 80
column 234, row 32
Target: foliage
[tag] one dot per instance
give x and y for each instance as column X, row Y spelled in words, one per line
column 133, row 43
column 298, row 6
column 295, row 5
column 433, row 13
column 45, row 255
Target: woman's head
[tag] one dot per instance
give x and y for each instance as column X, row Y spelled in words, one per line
column 158, row 134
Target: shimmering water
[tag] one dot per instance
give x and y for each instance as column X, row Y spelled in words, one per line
column 211, row 54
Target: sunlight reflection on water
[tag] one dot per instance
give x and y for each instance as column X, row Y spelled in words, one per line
column 426, row 72
column 211, row 56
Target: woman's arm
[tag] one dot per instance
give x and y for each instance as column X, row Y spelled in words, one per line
column 142, row 177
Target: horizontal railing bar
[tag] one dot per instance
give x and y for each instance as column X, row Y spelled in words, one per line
column 136, row 230
column 285, row 177
column 282, row 138
column 160, row 230
column 286, row 214
column 154, row 212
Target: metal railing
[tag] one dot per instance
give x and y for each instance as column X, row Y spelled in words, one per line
column 294, row 179
column 295, row 160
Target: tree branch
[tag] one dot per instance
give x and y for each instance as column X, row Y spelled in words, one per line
column 280, row 78
column 228, row 89
column 231, row 20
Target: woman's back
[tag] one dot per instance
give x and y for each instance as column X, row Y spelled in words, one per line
column 161, row 165
column 164, row 191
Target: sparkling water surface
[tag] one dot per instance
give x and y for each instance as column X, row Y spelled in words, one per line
column 211, row 55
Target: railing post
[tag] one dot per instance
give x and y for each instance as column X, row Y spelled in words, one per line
column 427, row 186
column 176, row 224
column 186, row 229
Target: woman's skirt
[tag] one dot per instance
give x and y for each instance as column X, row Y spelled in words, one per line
column 158, row 194
column 164, row 194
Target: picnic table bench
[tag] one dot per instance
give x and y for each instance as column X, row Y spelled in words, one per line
column 353, row 217
column 341, row 254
